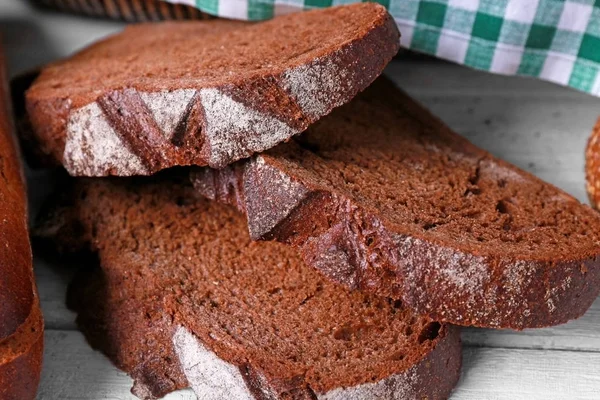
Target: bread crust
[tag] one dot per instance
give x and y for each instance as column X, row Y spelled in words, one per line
column 592, row 166
column 140, row 126
column 21, row 359
column 356, row 246
column 21, row 330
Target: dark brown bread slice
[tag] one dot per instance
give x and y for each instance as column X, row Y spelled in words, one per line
column 382, row 196
column 181, row 283
column 204, row 93
column 592, row 166
column 128, row 10
column 21, row 324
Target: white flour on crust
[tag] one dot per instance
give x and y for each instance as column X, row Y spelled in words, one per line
column 318, row 87
column 168, row 107
column 234, row 131
column 210, row 377
column 93, row 147
column 396, row 387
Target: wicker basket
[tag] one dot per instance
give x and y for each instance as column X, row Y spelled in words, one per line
column 128, row 10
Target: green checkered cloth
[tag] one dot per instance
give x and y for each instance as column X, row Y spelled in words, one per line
column 555, row 40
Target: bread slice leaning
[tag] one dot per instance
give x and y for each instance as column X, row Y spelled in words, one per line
column 21, row 324
column 383, row 197
column 183, row 297
column 204, row 93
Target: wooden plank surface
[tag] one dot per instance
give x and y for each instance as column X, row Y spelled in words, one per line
column 509, row 374
column 72, row 370
column 538, row 126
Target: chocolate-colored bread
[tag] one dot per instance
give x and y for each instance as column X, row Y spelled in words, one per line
column 21, row 324
column 382, row 196
column 592, row 166
column 184, row 297
column 204, row 93
column 128, row 10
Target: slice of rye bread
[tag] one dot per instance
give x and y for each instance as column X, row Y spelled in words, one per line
column 204, row 93
column 382, row 196
column 183, row 296
column 592, row 166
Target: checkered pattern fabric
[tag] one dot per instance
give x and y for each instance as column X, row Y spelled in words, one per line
column 556, row 40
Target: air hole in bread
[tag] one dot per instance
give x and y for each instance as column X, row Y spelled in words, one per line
column 429, row 332
column 501, row 207
column 347, row 332
column 429, row 226
column 472, row 191
column 397, row 356
column 274, row 291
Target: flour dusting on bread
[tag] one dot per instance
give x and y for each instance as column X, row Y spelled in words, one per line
column 318, row 86
column 93, row 147
column 168, row 108
column 209, row 376
column 234, row 130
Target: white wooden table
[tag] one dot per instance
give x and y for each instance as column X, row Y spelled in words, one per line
column 540, row 127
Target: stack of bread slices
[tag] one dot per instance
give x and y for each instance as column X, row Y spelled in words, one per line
column 270, row 219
